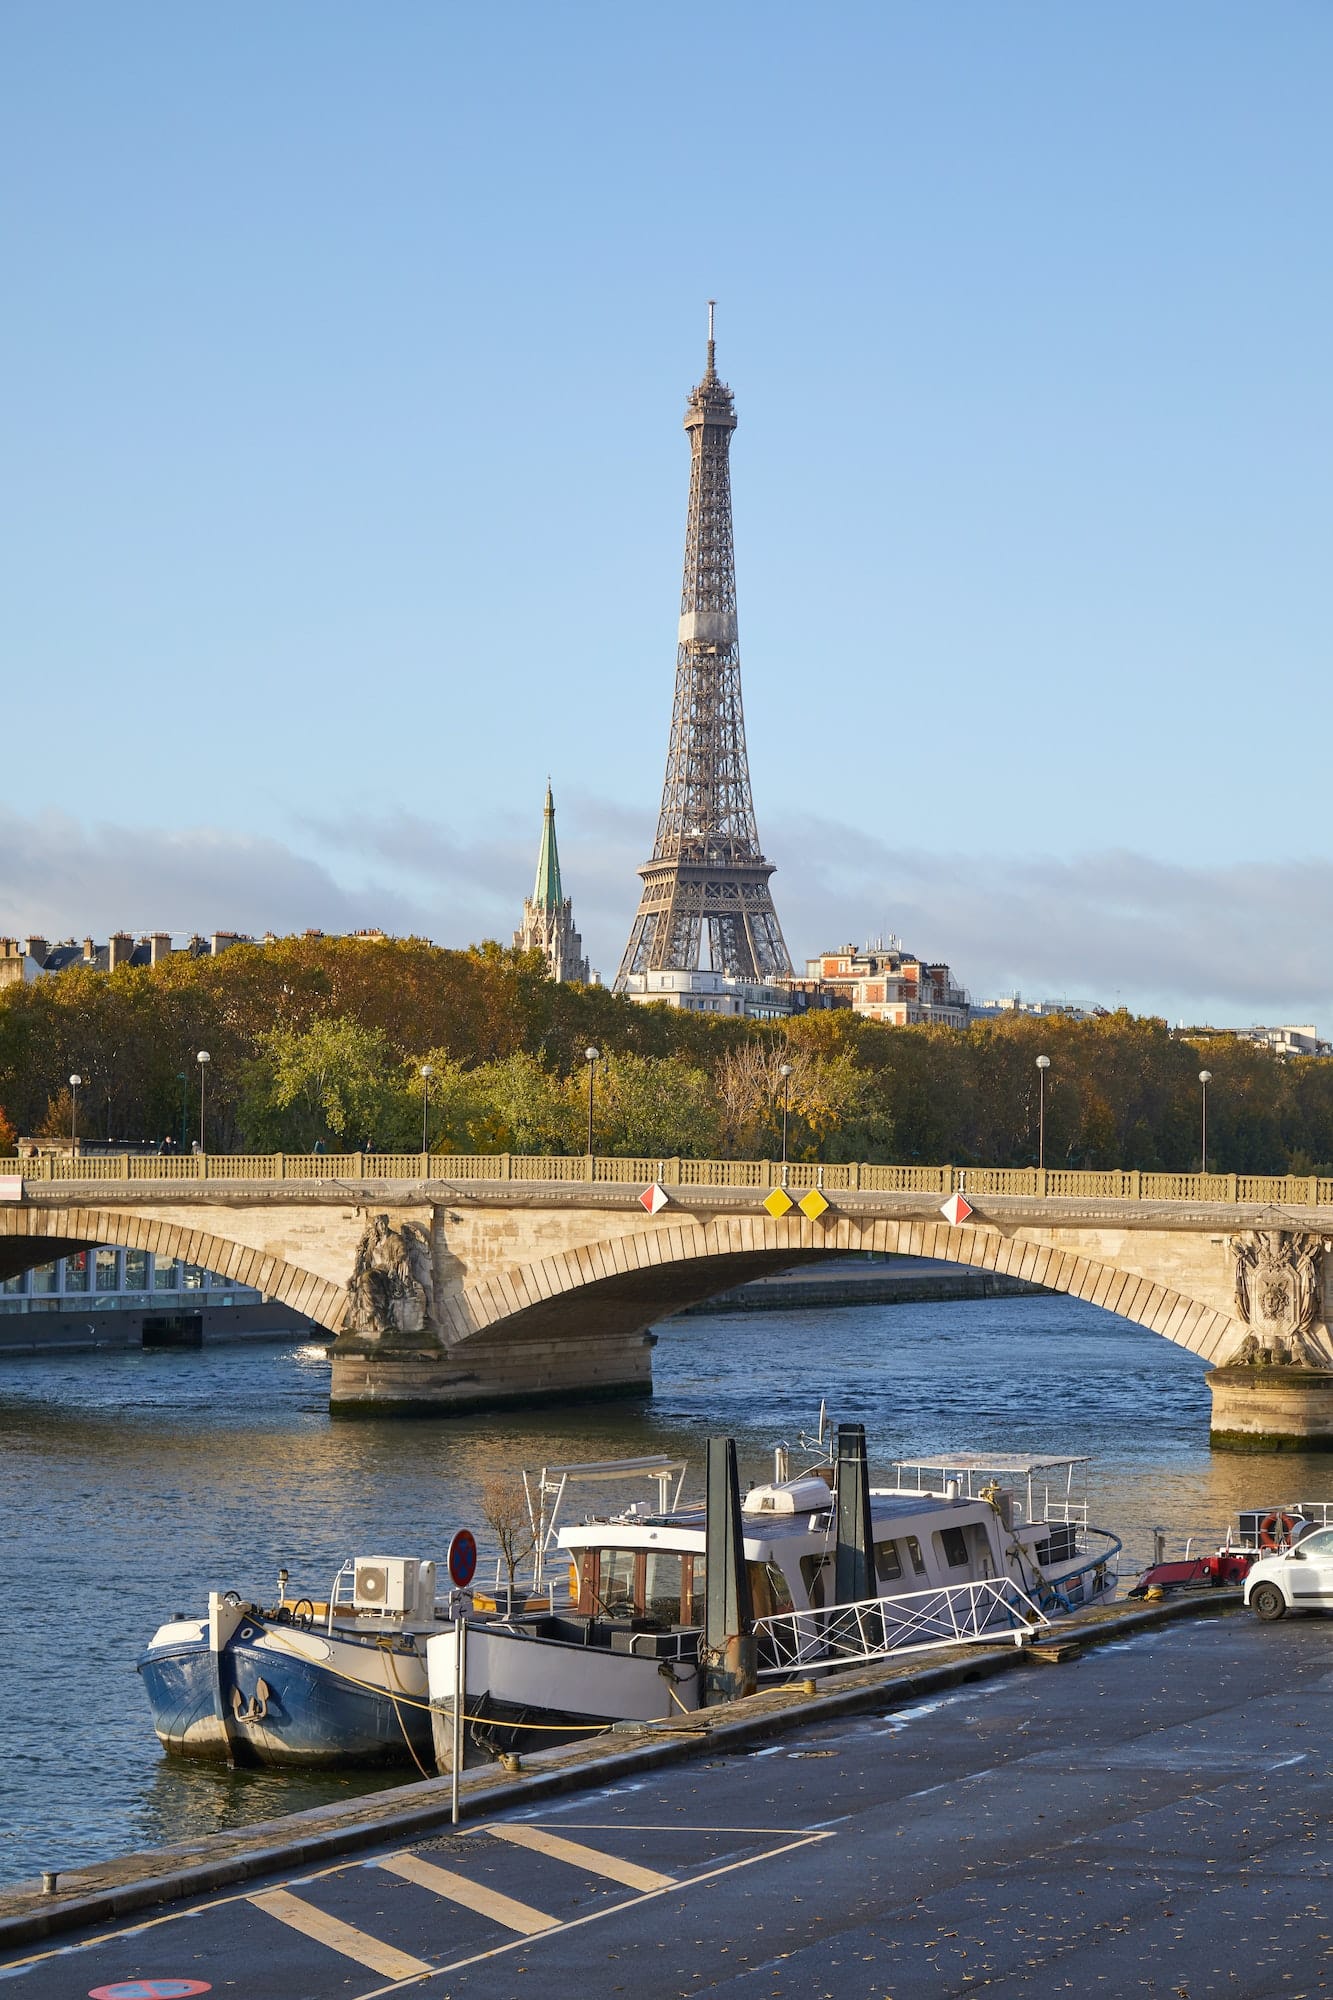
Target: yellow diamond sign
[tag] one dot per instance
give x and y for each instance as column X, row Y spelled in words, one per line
column 812, row 1204
column 777, row 1201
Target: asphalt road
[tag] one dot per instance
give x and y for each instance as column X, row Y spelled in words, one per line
column 1150, row 1818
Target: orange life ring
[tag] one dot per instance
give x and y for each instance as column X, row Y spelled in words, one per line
column 1275, row 1530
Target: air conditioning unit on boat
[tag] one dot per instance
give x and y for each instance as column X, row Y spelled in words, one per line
column 793, row 1496
column 385, row 1583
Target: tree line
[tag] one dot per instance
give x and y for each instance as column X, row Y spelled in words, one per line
column 323, row 1041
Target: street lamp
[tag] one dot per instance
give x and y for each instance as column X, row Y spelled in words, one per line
column 203, row 1059
column 591, row 1057
column 1043, row 1064
column 183, row 1080
column 426, row 1074
column 1205, row 1078
column 74, row 1083
column 785, row 1072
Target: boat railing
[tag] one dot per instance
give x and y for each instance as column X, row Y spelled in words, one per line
column 1058, row 1507
column 545, row 1493
column 844, row 1635
column 342, row 1591
column 659, row 1645
column 1094, row 1577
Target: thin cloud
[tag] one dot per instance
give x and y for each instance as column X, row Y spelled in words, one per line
column 1235, row 944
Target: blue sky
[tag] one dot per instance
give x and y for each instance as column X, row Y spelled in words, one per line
column 346, row 351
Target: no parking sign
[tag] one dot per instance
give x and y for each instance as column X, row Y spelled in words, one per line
column 462, row 1558
column 150, row 1989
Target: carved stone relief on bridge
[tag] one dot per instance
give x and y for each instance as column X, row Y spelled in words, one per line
column 1280, row 1298
column 391, row 1291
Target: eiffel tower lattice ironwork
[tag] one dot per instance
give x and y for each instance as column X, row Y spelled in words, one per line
column 708, row 874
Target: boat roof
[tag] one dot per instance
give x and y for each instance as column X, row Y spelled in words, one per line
column 987, row 1461
column 689, row 1524
column 653, row 1466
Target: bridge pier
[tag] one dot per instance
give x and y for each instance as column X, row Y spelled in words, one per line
column 372, row 1380
column 1261, row 1409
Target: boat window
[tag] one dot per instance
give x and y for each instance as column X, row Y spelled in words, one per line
column 77, row 1272
column 814, row 1570
column 769, row 1590
column 954, row 1544
column 914, row 1551
column 693, row 1589
column 615, row 1589
column 662, row 1587
column 888, row 1562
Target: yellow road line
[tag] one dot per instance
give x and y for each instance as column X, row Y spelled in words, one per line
column 579, row 1856
column 338, row 1936
column 504, row 1910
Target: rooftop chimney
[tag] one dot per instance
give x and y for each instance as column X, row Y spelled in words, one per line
column 159, row 946
column 120, row 950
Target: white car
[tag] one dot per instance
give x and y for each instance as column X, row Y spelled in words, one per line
column 1297, row 1579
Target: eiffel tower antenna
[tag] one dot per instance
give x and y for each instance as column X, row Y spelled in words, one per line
column 707, row 883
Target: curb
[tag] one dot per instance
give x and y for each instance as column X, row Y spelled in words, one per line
column 49, row 1916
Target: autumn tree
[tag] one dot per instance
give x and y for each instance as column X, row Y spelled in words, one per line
column 504, row 1509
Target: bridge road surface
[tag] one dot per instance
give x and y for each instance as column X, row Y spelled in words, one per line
column 1150, row 1818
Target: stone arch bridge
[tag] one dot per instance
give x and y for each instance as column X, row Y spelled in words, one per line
column 453, row 1284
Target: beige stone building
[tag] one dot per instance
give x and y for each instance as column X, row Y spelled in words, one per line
column 886, row 983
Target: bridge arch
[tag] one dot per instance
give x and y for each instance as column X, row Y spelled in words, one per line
column 640, row 1275
column 36, row 1236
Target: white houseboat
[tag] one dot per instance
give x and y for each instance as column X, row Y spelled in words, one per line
column 964, row 1548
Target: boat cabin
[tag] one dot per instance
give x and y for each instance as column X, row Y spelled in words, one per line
column 652, row 1567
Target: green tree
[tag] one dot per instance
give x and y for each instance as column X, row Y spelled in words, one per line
column 331, row 1080
column 650, row 1107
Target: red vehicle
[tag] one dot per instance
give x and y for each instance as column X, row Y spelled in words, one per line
column 1263, row 1532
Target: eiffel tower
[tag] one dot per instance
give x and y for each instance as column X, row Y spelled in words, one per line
column 707, row 872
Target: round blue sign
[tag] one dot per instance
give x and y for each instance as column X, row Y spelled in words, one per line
column 462, row 1558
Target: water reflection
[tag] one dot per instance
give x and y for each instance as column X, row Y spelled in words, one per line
column 132, row 1483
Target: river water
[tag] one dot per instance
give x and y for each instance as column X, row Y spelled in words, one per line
column 132, row 1483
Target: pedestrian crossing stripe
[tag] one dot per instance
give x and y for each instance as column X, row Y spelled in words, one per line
column 628, row 1873
column 366, row 1950
column 470, row 1895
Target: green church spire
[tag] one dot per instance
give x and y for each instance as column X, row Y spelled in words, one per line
column 548, row 919
column 546, row 893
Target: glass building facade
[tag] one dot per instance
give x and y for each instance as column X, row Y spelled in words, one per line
column 105, row 1278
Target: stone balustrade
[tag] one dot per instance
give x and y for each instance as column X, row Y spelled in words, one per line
column 1049, row 1183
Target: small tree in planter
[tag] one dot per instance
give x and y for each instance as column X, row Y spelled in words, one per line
column 504, row 1508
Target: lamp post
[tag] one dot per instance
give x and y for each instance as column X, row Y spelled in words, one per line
column 183, row 1080
column 1043, row 1064
column 591, row 1057
column 426, row 1074
column 1205, row 1078
column 785, row 1072
column 203, row 1059
column 74, row 1083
